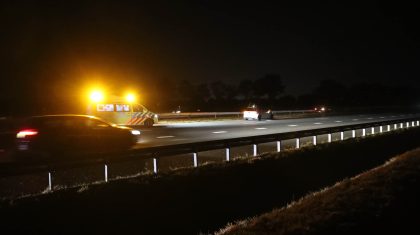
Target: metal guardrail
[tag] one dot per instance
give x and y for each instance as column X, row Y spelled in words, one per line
column 222, row 114
column 157, row 152
column 197, row 114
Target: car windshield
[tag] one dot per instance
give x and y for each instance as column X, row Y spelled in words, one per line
column 67, row 122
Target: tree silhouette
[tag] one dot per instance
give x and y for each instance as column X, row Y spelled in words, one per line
column 246, row 89
column 330, row 92
column 270, row 86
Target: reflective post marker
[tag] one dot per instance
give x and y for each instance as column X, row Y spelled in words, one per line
column 342, row 135
column 380, row 129
column 401, row 125
column 195, row 159
column 227, row 154
column 389, row 127
column 329, row 138
column 363, row 132
column 106, row 173
column 353, row 133
column 408, row 125
column 373, row 131
column 417, row 123
column 255, row 149
column 395, row 126
column 314, row 139
column 297, row 143
column 412, row 123
column 49, row 182
column 155, row 166
column 278, row 145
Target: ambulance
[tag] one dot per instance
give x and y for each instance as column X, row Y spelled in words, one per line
column 121, row 110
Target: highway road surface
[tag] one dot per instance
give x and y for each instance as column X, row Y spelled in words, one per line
column 188, row 132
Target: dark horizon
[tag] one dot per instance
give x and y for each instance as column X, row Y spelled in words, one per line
column 53, row 49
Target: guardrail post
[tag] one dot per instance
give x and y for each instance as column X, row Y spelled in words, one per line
column 401, row 125
column 329, row 138
column 407, row 124
column 278, row 145
column 49, row 182
column 380, row 129
column 297, row 143
column 389, row 127
column 373, row 131
column 155, row 165
column 353, row 133
column 195, row 159
column 412, row 123
column 364, row 132
column 395, row 126
column 106, row 172
column 417, row 123
column 314, row 139
column 227, row 154
column 255, row 149
column 342, row 135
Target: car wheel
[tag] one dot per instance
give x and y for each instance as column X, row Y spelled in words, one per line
column 148, row 123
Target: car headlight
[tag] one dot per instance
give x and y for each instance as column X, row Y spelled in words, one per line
column 135, row 132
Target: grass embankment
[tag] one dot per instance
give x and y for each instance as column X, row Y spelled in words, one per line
column 384, row 200
column 203, row 199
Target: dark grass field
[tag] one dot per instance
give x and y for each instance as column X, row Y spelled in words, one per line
column 384, row 200
column 201, row 200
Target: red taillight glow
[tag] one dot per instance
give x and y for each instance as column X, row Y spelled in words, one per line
column 25, row 133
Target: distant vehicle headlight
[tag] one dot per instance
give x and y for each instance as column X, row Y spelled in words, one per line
column 135, row 132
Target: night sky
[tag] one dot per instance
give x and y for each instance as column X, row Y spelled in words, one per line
column 57, row 47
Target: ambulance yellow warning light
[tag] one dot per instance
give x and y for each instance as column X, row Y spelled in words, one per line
column 96, row 96
column 130, row 98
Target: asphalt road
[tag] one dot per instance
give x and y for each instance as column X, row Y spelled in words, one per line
column 177, row 133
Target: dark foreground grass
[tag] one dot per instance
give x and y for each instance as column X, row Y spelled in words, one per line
column 204, row 199
column 384, row 200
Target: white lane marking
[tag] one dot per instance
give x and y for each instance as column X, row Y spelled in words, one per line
column 219, row 132
column 318, row 123
column 293, row 125
column 260, row 128
column 381, row 117
column 338, row 121
column 370, row 118
column 355, row 119
column 165, row 136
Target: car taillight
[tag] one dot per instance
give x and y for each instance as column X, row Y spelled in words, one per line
column 26, row 133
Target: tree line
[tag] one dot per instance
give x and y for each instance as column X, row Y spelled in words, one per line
column 268, row 91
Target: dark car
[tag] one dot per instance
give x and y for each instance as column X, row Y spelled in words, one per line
column 7, row 138
column 70, row 135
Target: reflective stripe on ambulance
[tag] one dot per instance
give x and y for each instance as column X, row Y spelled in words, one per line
column 139, row 118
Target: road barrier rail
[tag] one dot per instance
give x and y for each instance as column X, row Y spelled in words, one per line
column 223, row 114
column 157, row 152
